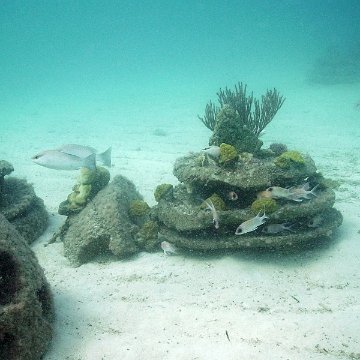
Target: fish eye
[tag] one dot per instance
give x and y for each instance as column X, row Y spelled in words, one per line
column 240, row 230
column 270, row 189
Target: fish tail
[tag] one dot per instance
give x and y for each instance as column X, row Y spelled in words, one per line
column 105, row 157
column 288, row 227
column 90, row 162
column 264, row 214
column 312, row 191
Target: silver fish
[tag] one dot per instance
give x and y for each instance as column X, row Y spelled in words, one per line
column 168, row 248
column 251, row 224
column 58, row 160
column 278, row 192
column 213, row 151
column 302, row 192
column 214, row 213
column 84, row 151
column 277, row 228
column 295, row 193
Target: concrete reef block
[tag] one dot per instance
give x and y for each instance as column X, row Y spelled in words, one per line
column 26, row 303
column 223, row 241
column 105, row 226
column 245, row 188
column 20, row 205
column 253, row 175
column 184, row 215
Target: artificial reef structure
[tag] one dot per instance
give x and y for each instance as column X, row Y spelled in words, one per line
column 26, row 302
column 225, row 189
column 20, row 205
column 113, row 221
column 233, row 195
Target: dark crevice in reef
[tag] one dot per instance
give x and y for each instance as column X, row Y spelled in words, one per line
column 8, row 346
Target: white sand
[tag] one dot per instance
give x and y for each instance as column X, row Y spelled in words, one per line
column 273, row 306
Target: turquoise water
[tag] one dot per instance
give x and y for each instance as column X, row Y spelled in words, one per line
column 135, row 75
column 62, row 59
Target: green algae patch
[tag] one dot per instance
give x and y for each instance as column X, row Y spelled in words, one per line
column 139, row 208
column 268, row 205
column 90, row 182
column 288, row 159
column 217, row 201
column 162, row 191
column 147, row 237
column 228, row 154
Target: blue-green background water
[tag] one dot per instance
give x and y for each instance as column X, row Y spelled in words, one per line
column 135, row 75
column 104, row 59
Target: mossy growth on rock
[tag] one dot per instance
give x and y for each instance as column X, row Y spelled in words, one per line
column 288, row 159
column 162, row 191
column 217, row 201
column 277, row 148
column 147, row 237
column 228, row 154
column 79, row 196
column 90, row 182
column 245, row 157
column 266, row 205
column 139, row 208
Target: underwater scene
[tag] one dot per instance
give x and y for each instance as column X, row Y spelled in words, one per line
column 179, row 179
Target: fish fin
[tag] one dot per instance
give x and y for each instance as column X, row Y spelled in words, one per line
column 209, row 204
column 313, row 189
column 288, row 227
column 105, row 157
column 295, row 198
column 263, row 215
column 90, row 162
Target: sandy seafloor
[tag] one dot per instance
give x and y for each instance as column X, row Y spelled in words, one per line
column 302, row 305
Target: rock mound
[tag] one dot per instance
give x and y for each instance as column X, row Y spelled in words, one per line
column 26, row 304
column 20, row 205
column 187, row 222
column 112, row 223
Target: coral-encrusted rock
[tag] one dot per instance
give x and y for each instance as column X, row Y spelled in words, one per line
column 26, row 304
column 186, row 222
column 5, row 169
column 182, row 214
column 104, row 226
column 254, row 174
column 20, row 205
column 222, row 240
